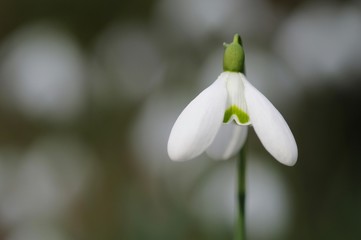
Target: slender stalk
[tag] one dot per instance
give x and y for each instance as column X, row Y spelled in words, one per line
column 241, row 195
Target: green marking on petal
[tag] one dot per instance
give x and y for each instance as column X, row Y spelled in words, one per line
column 239, row 113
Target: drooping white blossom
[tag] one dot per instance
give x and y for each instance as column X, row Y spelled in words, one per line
column 217, row 120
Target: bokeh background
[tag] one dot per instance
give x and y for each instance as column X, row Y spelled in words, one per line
column 89, row 91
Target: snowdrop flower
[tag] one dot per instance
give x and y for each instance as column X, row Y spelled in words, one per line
column 217, row 120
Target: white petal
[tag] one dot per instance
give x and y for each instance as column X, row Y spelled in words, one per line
column 270, row 126
column 228, row 142
column 197, row 125
column 236, row 105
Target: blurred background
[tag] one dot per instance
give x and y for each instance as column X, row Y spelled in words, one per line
column 89, row 91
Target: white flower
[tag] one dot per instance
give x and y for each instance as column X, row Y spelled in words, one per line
column 217, row 120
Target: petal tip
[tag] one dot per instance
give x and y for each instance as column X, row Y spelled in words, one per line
column 290, row 163
column 290, row 159
column 175, row 153
column 177, row 157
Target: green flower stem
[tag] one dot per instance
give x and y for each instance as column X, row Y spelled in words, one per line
column 241, row 195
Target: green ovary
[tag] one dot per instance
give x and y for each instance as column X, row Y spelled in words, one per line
column 239, row 113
